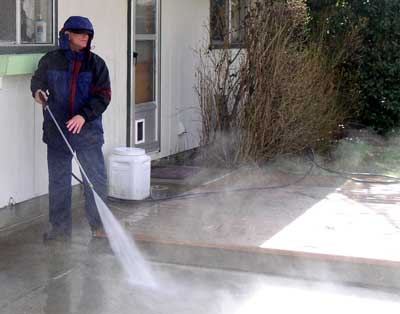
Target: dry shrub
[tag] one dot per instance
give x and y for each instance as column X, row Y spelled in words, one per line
column 221, row 97
column 275, row 97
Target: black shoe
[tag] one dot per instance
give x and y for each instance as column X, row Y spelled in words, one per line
column 56, row 234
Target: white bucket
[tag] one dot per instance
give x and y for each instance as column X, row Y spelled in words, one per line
column 129, row 173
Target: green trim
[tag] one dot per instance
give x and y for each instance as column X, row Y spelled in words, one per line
column 19, row 64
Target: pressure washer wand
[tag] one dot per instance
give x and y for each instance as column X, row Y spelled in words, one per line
column 47, row 108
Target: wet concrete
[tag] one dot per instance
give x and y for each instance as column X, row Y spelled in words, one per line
column 21, row 215
column 83, row 277
column 322, row 228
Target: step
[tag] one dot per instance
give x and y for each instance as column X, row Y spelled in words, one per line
column 305, row 265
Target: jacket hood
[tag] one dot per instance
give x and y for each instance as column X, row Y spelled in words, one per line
column 75, row 22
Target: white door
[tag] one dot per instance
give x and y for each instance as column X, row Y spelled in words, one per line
column 144, row 105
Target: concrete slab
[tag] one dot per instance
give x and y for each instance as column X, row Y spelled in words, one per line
column 22, row 215
column 320, row 228
column 83, row 277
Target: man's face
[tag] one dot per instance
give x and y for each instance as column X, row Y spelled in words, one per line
column 77, row 41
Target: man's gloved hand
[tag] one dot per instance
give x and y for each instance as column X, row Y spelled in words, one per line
column 38, row 99
column 75, row 124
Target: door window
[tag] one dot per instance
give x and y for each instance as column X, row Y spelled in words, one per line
column 146, row 17
column 145, row 46
column 144, row 78
column 146, row 122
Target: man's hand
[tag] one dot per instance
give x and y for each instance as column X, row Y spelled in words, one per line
column 38, row 99
column 75, row 124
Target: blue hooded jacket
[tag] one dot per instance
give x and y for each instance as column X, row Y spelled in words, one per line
column 78, row 83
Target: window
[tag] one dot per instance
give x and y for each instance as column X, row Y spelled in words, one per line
column 226, row 23
column 146, row 47
column 27, row 25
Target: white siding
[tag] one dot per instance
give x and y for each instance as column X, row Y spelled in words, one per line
column 182, row 30
column 109, row 19
column 23, row 166
column 18, row 139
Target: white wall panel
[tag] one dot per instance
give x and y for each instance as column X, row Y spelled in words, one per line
column 17, row 138
column 182, row 31
column 109, row 19
column 23, row 165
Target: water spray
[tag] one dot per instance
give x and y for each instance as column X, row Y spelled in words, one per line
column 122, row 245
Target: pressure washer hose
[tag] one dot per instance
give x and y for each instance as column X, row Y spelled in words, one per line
column 353, row 175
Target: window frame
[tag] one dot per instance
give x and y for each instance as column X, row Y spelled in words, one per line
column 213, row 44
column 34, row 48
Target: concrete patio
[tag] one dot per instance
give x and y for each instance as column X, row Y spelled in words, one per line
column 322, row 228
column 241, row 242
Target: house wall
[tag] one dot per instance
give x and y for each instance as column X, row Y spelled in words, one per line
column 183, row 30
column 23, row 166
column 19, row 153
column 109, row 19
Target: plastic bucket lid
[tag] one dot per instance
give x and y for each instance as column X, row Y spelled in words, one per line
column 129, row 151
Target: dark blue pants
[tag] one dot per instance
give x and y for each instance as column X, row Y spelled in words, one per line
column 60, row 174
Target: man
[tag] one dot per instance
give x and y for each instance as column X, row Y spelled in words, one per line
column 76, row 84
